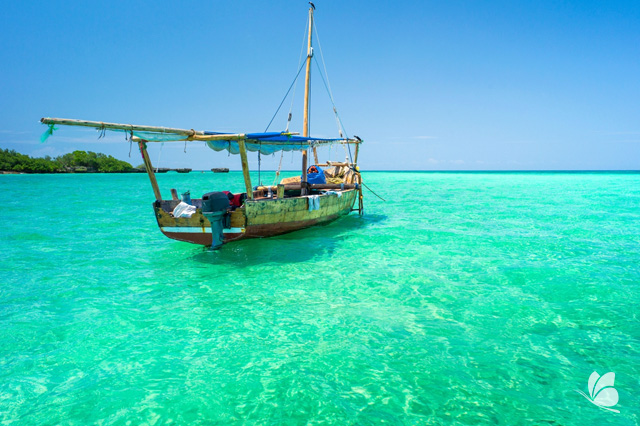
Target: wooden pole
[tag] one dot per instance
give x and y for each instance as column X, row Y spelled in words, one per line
column 147, row 165
column 307, row 96
column 190, row 134
column 303, row 179
column 116, row 126
column 307, row 80
column 355, row 159
column 360, row 201
column 245, row 169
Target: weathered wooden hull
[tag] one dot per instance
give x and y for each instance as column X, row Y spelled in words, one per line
column 258, row 218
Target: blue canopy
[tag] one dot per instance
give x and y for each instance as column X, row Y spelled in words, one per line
column 265, row 143
column 268, row 143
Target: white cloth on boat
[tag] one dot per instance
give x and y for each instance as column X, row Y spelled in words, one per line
column 314, row 202
column 339, row 194
column 184, row 210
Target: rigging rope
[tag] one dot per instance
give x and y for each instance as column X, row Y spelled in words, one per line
column 335, row 110
column 159, row 152
column 363, row 184
column 283, row 99
column 275, row 179
column 293, row 95
column 327, row 86
column 293, row 84
column 259, row 164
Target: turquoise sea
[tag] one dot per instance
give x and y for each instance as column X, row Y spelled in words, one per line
column 465, row 298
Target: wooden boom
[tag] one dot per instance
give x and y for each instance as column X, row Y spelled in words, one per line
column 117, row 126
column 191, row 135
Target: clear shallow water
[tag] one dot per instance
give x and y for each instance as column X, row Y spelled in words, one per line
column 467, row 298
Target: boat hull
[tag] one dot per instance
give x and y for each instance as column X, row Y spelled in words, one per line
column 258, row 218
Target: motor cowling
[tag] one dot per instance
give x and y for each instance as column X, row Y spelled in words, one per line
column 214, row 208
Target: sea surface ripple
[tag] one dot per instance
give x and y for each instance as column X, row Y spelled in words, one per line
column 464, row 298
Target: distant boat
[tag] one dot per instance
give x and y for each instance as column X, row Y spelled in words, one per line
column 220, row 170
column 220, row 217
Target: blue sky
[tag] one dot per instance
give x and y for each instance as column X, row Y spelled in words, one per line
column 429, row 85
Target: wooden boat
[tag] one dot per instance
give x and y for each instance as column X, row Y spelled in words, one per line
column 266, row 210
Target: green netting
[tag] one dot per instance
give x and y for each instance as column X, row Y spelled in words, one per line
column 47, row 133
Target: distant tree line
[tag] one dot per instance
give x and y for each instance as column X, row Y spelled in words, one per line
column 77, row 161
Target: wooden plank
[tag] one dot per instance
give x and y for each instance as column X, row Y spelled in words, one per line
column 262, row 212
column 277, row 218
column 238, row 219
column 197, row 220
column 338, row 163
column 319, row 186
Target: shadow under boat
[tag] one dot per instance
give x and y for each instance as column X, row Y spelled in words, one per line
column 300, row 246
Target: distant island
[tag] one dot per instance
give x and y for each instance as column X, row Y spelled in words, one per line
column 75, row 162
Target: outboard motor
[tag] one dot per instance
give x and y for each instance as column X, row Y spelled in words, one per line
column 214, row 208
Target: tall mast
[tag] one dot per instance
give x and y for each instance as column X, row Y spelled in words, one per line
column 307, row 95
column 307, row 81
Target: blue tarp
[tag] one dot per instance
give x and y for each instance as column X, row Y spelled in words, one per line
column 268, row 143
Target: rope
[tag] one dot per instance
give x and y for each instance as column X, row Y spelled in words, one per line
column 129, row 137
column 363, row 184
column 159, row 152
column 283, row 99
column 328, row 83
column 341, row 128
column 293, row 84
column 326, row 86
column 293, row 96
column 279, row 168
